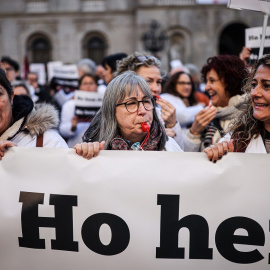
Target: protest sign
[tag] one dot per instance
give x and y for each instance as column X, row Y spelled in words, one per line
column 87, row 104
column 39, row 69
column 256, row 5
column 133, row 210
column 63, row 77
column 253, row 39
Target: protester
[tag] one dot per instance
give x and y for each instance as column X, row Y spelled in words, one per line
column 250, row 131
column 21, row 124
column 128, row 106
column 40, row 93
column 110, row 64
column 148, row 67
column 224, row 76
column 21, row 89
column 86, row 65
column 179, row 90
column 12, row 69
column 70, row 126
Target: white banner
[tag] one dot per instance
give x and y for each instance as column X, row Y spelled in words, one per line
column 123, row 210
column 256, row 5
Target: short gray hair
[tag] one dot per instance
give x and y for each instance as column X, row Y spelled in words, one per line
column 135, row 61
column 104, row 126
column 87, row 65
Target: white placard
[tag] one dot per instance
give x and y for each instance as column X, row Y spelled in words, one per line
column 253, row 38
column 51, row 66
column 256, row 5
column 64, row 71
column 87, row 103
column 123, row 210
column 39, row 69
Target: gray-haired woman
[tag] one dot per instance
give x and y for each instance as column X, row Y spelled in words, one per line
column 128, row 109
column 148, row 67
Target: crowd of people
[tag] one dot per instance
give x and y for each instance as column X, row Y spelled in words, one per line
column 143, row 108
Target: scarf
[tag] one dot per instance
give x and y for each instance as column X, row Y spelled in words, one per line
column 223, row 114
column 120, row 143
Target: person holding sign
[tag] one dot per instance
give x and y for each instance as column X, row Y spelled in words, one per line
column 22, row 125
column 71, row 126
column 148, row 67
column 250, row 131
column 127, row 120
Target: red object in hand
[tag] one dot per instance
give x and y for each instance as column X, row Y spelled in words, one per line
column 157, row 97
column 145, row 127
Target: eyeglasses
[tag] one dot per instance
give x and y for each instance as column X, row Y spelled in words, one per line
column 184, row 83
column 133, row 105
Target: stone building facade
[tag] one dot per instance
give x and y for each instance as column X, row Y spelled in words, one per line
column 68, row 30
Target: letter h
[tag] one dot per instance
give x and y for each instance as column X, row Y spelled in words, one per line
column 169, row 229
column 62, row 222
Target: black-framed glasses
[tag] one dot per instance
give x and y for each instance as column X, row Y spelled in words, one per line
column 133, row 105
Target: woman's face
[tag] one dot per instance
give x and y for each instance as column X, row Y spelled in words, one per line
column 153, row 77
column 88, row 84
column 216, row 89
column 130, row 123
column 183, row 86
column 5, row 110
column 260, row 96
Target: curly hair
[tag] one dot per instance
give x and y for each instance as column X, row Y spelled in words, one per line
column 246, row 126
column 231, row 69
column 170, row 87
column 135, row 61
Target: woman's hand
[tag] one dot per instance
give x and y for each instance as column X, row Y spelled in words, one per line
column 215, row 152
column 167, row 112
column 5, row 145
column 170, row 132
column 74, row 122
column 245, row 54
column 202, row 119
column 89, row 150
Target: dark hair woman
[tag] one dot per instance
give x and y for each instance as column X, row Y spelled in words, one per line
column 250, row 130
column 71, row 127
column 224, row 76
column 179, row 90
column 21, row 124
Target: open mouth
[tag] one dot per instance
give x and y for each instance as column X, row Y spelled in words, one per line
column 259, row 105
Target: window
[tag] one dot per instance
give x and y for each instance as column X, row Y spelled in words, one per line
column 94, row 47
column 232, row 39
column 39, row 49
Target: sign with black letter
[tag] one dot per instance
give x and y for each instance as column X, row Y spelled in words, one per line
column 253, row 41
column 133, row 210
column 87, row 104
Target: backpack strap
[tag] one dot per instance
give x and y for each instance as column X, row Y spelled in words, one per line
column 39, row 140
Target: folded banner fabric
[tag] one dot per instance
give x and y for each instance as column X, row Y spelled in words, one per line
column 256, row 5
column 133, row 210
